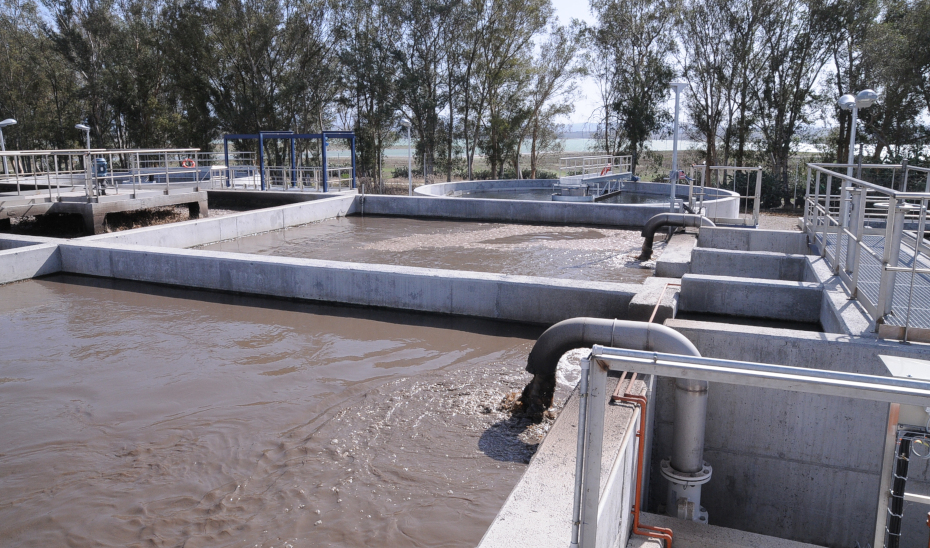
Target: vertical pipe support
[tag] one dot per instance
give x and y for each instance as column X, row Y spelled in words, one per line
column 325, row 170
column 226, row 159
column 852, row 142
column 352, row 152
column 261, row 158
column 293, row 165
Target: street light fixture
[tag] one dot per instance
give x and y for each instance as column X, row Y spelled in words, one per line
column 406, row 123
column 863, row 99
column 673, row 175
column 86, row 129
column 3, row 124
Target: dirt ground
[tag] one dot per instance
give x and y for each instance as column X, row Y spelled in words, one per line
column 72, row 226
column 779, row 219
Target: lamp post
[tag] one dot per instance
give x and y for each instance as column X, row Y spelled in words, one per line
column 863, row 99
column 406, row 123
column 3, row 124
column 673, row 175
column 86, row 129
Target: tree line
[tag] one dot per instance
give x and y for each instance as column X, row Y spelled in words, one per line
column 764, row 76
column 474, row 77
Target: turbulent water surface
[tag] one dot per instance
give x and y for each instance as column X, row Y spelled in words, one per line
column 580, row 253
column 144, row 416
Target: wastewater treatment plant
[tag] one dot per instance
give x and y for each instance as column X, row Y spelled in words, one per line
column 593, row 360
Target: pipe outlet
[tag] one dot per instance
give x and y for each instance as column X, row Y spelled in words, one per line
column 668, row 219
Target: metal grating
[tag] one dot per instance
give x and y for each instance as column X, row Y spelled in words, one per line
column 870, row 271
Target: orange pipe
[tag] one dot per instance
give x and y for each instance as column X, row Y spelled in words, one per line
column 638, row 528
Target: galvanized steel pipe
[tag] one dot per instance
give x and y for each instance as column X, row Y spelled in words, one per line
column 690, row 395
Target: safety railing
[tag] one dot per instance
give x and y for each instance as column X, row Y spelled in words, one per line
column 600, row 165
column 602, row 360
column 97, row 172
column 49, row 168
column 286, row 178
column 700, row 177
column 865, row 231
column 594, row 188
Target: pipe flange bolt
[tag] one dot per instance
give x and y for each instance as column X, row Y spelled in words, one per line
column 684, row 479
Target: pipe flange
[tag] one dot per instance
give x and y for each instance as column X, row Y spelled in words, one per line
column 684, row 479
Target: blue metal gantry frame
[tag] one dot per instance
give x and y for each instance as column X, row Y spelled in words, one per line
column 290, row 135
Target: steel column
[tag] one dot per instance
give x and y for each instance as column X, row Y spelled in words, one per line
column 261, row 159
column 293, row 165
column 325, row 167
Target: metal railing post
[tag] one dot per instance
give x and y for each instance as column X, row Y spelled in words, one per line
column 852, row 247
column 758, row 197
column 57, row 179
column 48, row 176
column 826, row 217
column 88, row 178
column 167, row 175
column 808, row 220
column 860, row 227
column 893, row 232
column 579, row 450
column 910, row 292
column 594, row 438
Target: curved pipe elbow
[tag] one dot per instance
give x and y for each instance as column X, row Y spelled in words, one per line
column 668, row 219
column 584, row 333
column 691, row 395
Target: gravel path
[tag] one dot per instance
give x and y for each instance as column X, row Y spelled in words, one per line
column 778, row 220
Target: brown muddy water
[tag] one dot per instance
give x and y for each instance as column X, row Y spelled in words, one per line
column 580, row 253
column 136, row 415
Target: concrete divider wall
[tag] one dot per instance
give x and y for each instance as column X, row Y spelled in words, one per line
column 214, row 229
column 510, row 211
column 786, row 464
column 516, row 298
column 754, row 298
column 741, row 239
column 748, row 264
column 13, row 241
column 28, row 262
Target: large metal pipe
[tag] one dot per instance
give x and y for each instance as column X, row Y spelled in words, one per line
column 668, row 219
column 690, row 395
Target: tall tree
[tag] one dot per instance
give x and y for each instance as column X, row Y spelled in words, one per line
column 631, row 49
column 795, row 39
column 550, row 91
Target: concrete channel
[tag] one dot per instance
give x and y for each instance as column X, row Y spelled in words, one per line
column 788, row 468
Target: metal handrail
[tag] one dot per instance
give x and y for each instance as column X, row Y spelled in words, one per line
column 705, row 171
column 589, row 164
column 844, row 220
